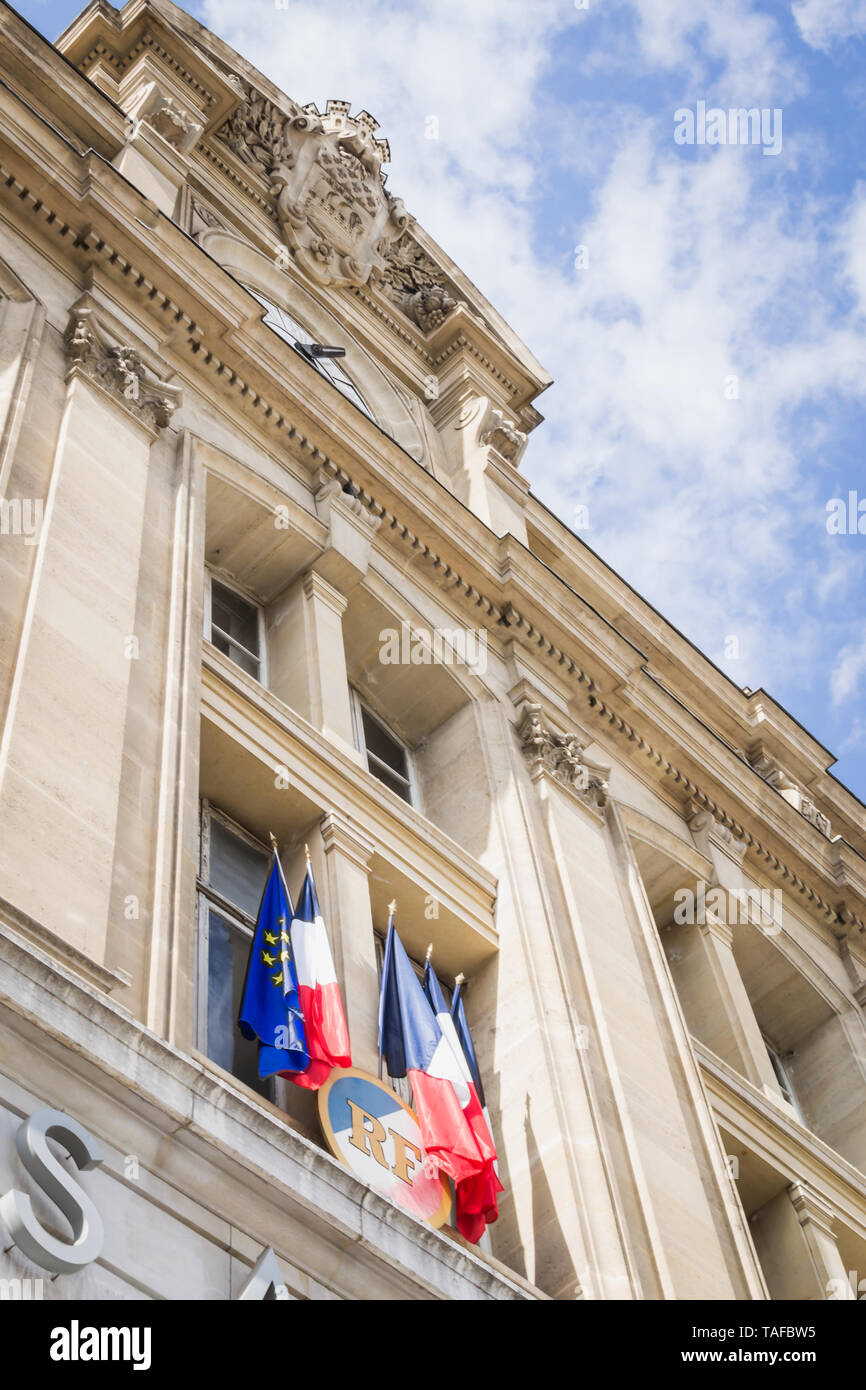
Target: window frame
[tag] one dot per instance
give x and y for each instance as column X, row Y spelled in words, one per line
column 783, row 1079
column 337, row 376
column 213, row 576
column 360, row 707
column 207, row 897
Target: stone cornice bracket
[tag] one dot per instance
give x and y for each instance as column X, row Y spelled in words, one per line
column 810, row 1207
column 561, row 757
column 491, row 428
column 94, row 352
column 175, row 123
column 501, row 434
column 340, row 834
column 351, row 527
column 847, row 922
column 707, row 830
column 775, row 776
column 331, row 491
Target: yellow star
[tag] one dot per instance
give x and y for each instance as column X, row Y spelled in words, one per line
column 284, row 955
column 268, row 959
column 270, row 938
column 277, row 979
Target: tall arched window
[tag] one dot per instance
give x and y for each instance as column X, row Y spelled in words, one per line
column 297, row 337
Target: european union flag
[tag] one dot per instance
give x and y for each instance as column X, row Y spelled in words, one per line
column 271, row 1007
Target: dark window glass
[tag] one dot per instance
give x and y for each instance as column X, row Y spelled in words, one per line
column 238, row 870
column 291, row 331
column 235, row 628
column 228, row 953
column 383, row 747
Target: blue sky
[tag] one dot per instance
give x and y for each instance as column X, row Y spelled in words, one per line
column 707, row 341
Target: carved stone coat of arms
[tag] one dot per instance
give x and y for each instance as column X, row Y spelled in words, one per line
column 337, row 218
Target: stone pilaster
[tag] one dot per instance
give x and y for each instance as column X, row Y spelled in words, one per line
column 347, row 854
column 793, row 1234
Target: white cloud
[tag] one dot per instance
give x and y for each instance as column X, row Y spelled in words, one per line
column 700, row 269
column 848, row 671
column 825, row 22
column 853, row 245
column 735, row 43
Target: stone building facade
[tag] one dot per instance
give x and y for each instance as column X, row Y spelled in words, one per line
column 210, row 529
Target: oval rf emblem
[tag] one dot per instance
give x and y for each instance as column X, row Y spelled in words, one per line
column 369, row 1129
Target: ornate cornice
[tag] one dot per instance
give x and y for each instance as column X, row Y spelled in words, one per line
column 561, row 757
column 775, row 776
column 707, row 830
column 119, row 369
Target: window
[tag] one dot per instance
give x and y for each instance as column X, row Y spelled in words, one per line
column 297, row 337
column 235, row 626
column 233, row 872
column 784, row 1080
column 387, row 758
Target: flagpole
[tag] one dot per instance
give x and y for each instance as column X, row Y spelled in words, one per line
column 392, row 908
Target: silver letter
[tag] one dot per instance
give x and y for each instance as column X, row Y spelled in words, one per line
column 16, row 1208
column 265, row 1279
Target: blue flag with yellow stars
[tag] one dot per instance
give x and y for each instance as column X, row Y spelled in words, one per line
column 271, row 1007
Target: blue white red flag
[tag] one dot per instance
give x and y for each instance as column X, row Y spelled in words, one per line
column 461, row 1025
column 453, row 1129
column 477, row 1205
column 321, row 1004
column 270, row 1006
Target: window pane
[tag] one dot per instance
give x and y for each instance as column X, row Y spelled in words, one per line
column 383, row 775
column 292, row 332
column 386, row 748
column 228, row 951
column 235, row 617
column 224, row 644
column 238, row 871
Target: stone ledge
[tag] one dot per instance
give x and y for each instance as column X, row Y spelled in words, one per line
column 41, row 940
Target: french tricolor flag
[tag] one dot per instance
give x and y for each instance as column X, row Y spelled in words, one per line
column 321, row 1004
column 477, row 1206
column 455, row 1135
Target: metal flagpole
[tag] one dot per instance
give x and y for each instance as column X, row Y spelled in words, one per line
column 392, row 908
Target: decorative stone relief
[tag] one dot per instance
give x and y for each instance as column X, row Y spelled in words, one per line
column 325, row 173
column 492, row 429
column 174, row 122
column 775, row 776
column 202, row 218
column 415, row 283
column 504, row 437
column 330, row 490
column 120, row 370
column 562, row 757
column 705, row 828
